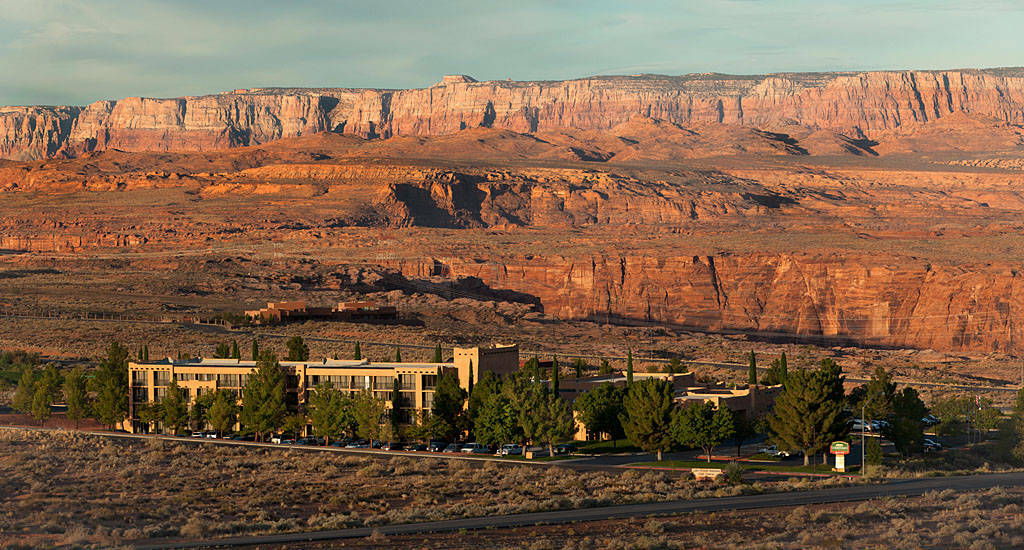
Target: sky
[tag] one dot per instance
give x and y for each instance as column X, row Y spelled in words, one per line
column 73, row 52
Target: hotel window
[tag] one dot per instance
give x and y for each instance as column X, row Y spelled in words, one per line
column 406, row 399
column 162, row 378
column 139, row 378
column 184, row 376
column 429, row 381
column 406, row 381
column 159, row 394
column 228, row 381
column 140, row 395
column 383, row 382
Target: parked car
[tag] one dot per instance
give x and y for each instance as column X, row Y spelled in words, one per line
column 210, row 434
column 417, row 447
column 358, row 444
column 277, row 439
column 391, row 446
column 565, row 449
column 288, row 441
column 306, row 441
column 436, row 446
column 452, row 448
column 774, row 451
column 198, row 435
column 931, row 445
column 339, row 443
column 471, row 448
column 509, row 449
column 930, row 420
column 375, row 444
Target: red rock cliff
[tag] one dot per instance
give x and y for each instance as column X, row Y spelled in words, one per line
column 858, row 105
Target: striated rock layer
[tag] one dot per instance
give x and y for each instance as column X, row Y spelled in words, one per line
column 857, row 105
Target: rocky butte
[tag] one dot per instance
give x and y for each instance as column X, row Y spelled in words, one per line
column 882, row 208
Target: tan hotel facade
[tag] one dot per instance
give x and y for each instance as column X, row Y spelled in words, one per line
column 416, row 381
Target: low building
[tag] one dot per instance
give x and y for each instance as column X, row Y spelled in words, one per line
column 416, row 381
column 282, row 312
column 753, row 400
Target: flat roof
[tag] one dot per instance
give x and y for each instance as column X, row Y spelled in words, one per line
column 323, row 363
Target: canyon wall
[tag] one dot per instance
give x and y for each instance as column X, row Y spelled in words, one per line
column 901, row 303
column 857, row 105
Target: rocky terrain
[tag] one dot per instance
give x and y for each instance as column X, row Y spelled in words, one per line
column 877, row 209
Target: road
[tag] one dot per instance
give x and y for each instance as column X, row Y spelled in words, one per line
column 911, row 487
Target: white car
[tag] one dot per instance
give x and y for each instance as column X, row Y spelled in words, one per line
column 510, row 449
column 774, row 451
column 475, row 448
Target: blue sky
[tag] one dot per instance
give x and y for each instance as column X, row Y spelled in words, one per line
column 78, row 51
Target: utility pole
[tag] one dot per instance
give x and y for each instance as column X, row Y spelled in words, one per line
column 863, row 412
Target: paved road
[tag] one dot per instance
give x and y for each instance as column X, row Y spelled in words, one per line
column 912, row 487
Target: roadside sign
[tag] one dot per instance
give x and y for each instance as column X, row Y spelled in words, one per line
column 840, row 448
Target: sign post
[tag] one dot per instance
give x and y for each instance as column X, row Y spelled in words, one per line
column 840, row 449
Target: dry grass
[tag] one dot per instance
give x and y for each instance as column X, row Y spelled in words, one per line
column 947, row 519
column 67, row 489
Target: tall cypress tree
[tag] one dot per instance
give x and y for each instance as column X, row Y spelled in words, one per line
column 145, row 353
column 438, row 355
column 235, row 353
column 398, row 354
column 255, row 350
column 629, row 367
column 554, row 375
column 752, row 369
column 357, row 353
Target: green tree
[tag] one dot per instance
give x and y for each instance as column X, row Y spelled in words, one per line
column 438, row 355
column 1018, row 405
column 263, row 404
column 605, row 368
column 47, row 388
column 777, row 372
column 545, row 418
column 751, row 369
column 148, row 413
column 174, row 408
column 294, row 424
column 145, row 353
column 197, row 413
column 110, row 385
column 76, row 396
column 398, row 354
column 905, row 429
column 579, row 366
column 600, row 409
column 873, row 451
column 879, row 395
column 26, row 390
column 532, row 367
column 629, row 369
column 449, row 398
column 984, row 416
column 554, row 375
column 255, row 350
column 648, row 415
column 369, row 413
column 701, row 425
column 223, row 412
column 223, row 351
column 806, row 415
column 674, row 366
column 357, row 353
column 297, row 349
column 489, row 386
column 330, row 412
column 235, row 352
column 746, row 427
column 497, row 420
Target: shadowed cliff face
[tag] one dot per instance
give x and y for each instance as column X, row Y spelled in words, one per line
column 863, row 105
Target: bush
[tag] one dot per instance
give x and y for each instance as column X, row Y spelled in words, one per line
column 733, row 473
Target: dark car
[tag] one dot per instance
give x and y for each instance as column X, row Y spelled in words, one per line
column 391, row 446
column 452, row 448
column 417, row 447
column 565, row 449
column 436, row 446
column 306, row 441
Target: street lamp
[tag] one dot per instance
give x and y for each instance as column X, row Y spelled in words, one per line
column 863, row 412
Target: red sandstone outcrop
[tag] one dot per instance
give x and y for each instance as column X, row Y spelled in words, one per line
column 854, row 105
